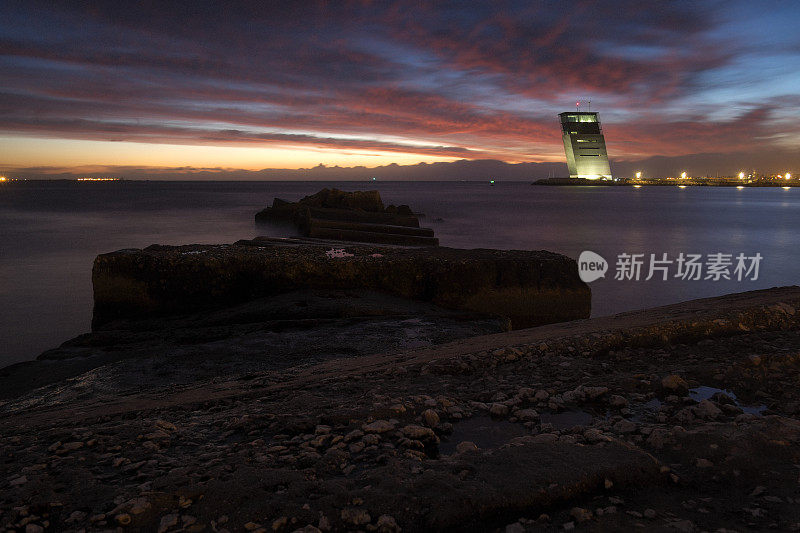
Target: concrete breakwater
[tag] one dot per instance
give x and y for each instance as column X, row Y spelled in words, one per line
column 528, row 287
column 358, row 216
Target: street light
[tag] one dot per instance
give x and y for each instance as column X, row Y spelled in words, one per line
column 788, row 176
column 741, row 175
column 683, row 175
column 638, row 175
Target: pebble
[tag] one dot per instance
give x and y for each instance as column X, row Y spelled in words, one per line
column 498, row 410
column 595, row 392
column 658, row 437
column 618, row 401
column 371, row 439
column 516, row 527
column 706, row 409
column 167, row 521
column 593, row 435
column 684, row 526
column 527, row 415
column 386, row 524
column 625, row 426
column 353, row 435
column 379, row 426
column 466, row 446
column 419, row 433
column 674, row 382
column 580, row 514
column 355, row 516
column 430, row 418
column 543, row 438
column 308, row 529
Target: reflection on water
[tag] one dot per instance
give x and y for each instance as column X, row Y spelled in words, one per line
column 51, row 232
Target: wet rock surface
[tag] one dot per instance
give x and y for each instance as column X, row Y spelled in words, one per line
column 294, row 329
column 460, row 437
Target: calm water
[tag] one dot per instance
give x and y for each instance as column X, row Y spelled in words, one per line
column 51, row 231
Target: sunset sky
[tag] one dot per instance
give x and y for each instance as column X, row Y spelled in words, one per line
column 296, row 84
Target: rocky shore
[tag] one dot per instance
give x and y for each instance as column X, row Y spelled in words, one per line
column 680, row 418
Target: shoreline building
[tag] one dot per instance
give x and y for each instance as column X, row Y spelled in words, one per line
column 584, row 145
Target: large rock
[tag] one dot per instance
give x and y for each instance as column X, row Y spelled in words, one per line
column 530, row 288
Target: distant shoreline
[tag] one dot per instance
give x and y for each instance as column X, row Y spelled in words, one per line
column 582, row 182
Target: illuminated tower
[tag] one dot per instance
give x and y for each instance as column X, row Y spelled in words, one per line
column 584, row 145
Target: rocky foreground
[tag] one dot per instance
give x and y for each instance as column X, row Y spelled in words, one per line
column 678, row 418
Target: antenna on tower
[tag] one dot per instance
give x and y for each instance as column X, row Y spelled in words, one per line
column 585, row 104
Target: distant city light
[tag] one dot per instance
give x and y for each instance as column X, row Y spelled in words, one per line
column 97, row 179
column 2, row 178
column 741, row 175
column 683, row 175
column 638, row 175
column 788, row 176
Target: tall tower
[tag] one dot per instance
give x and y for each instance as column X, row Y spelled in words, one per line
column 584, row 145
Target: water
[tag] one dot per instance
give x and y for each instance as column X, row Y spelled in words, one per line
column 483, row 431
column 704, row 393
column 567, row 419
column 51, row 231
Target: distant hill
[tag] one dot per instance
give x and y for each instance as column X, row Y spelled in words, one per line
column 469, row 170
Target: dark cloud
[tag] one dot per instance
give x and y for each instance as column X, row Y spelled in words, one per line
column 475, row 80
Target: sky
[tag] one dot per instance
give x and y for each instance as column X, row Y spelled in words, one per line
column 223, row 87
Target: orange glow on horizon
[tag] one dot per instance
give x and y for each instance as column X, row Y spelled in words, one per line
column 63, row 153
